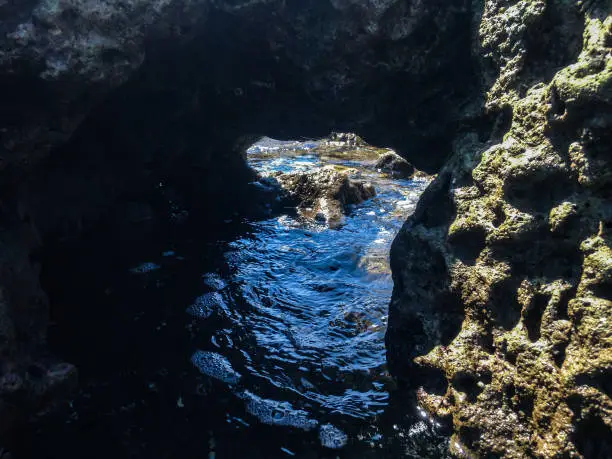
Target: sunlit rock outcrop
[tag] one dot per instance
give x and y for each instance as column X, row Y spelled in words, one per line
column 325, row 193
column 502, row 276
column 394, row 165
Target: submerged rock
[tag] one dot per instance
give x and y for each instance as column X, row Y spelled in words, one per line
column 206, row 305
column 325, row 193
column 502, row 299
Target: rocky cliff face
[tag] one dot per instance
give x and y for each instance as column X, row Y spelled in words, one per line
column 502, row 298
column 133, row 111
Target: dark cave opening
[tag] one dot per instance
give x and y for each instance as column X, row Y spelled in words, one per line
column 168, row 143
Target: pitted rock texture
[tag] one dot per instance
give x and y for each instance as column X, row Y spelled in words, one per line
column 502, row 299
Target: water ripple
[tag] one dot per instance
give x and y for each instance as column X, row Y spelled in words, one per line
column 315, row 299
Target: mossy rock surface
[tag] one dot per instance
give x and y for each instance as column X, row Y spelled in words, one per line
column 504, row 272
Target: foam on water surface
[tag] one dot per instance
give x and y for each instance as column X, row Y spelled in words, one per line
column 216, row 366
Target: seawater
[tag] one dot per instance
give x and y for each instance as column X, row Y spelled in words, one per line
column 268, row 342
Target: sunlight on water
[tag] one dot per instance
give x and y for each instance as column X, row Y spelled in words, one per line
column 318, row 297
column 286, row 326
column 308, row 306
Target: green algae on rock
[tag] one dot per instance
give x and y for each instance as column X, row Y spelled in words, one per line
column 503, row 274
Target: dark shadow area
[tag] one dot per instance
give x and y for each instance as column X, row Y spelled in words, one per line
column 541, row 255
column 555, row 43
column 468, row 384
column 468, row 244
column 432, row 380
column 600, row 380
column 504, row 297
column 533, row 316
column 593, row 438
column 470, row 436
column 537, row 192
column 450, row 309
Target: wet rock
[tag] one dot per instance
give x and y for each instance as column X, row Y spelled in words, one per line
column 502, row 274
column 214, row 281
column 206, row 305
column 343, row 141
column 325, row 193
column 394, row 165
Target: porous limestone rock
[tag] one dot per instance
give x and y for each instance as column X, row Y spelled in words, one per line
column 503, row 302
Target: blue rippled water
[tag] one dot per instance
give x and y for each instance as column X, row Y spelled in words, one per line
column 310, row 308
column 265, row 342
